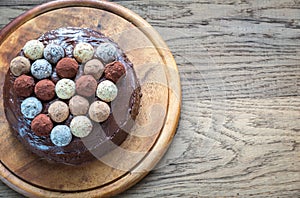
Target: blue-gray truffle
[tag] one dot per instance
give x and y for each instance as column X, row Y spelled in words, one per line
column 53, row 53
column 41, row 69
column 61, row 135
column 106, row 52
column 31, row 107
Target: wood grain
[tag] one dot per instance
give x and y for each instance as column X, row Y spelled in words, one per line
column 239, row 130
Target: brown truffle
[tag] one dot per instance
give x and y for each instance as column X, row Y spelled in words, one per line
column 86, row 86
column 114, row 71
column 79, row 105
column 24, row 85
column 95, row 68
column 58, row 111
column 99, row 111
column 41, row 125
column 67, row 68
column 20, row 65
column 45, row 89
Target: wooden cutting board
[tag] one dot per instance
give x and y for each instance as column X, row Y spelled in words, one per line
column 156, row 122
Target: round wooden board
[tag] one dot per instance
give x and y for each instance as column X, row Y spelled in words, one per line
column 156, row 122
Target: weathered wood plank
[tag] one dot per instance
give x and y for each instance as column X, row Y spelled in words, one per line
column 22, row 2
column 239, row 128
column 234, row 47
column 237, row 147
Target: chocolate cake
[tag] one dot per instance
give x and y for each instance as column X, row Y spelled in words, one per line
column 71, row 95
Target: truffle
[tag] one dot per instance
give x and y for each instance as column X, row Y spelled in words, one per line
column 107, row 91
column 19, row 65
column 81, row 126
column 114, row 71
column 41, row 125
column 78, row 105
column 41, row 69
column 106, row 52
column 45, row 89
column 31, row 107
column 58, row 111
column 99, row 111
column 83, row 52
column 33, row 49
column 86, row 85
column 53, row 53
column 61, row 135
column 65, row 88
column 95, row 68
column 67, row 68
column 24, row 85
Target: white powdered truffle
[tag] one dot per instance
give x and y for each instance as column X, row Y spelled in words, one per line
column 81, row 126
column 99, row 111
column 65, row 88
column 33, row 49
column 83, row 52
column 107, row 91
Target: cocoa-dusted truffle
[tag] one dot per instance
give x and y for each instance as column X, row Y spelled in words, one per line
column 24, row 85
column 41, row 125
column 67, row 68
column 86, row 86
column 20, row 65
column 114, row 71
column 45, row 89
column 94, row 67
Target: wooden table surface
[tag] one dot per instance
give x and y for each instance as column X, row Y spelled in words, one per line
column 239, row 131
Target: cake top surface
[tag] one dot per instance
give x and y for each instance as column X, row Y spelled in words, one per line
column 64, row 84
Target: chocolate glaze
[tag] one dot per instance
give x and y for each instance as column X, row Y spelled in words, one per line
column 105, row 136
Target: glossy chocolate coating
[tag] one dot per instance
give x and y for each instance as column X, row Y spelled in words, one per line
column 105, row 136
